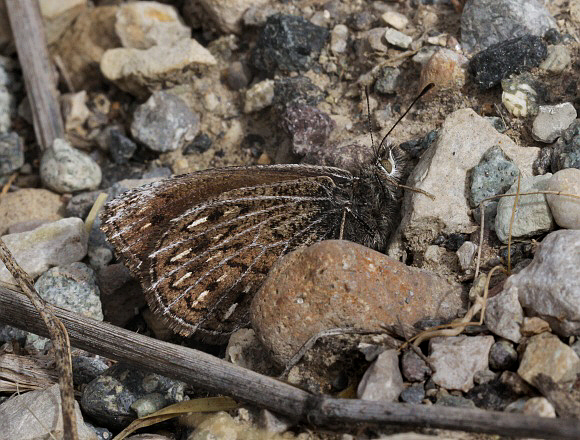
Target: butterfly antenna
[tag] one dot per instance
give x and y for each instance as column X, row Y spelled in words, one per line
column 369, row 118
column 423, row 92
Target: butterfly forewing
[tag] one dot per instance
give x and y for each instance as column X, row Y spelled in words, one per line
column 201, row 257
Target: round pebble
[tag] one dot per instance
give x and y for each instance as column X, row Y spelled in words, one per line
column 566, row 210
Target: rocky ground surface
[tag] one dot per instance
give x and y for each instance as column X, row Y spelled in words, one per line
column 151, row 89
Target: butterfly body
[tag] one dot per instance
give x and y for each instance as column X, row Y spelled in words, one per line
column 201, row 244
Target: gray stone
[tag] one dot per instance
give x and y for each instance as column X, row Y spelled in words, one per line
column 109, row 397
column 148, row 404
column 307, row 126
column 86, row 369
column 465, row 254
column 548, row 287
column 52, row 244
column 503, row 355
column 339, row 39
column 442, row 171
column 455, row 401
column 488, row 22
column 11, row 152
column 532, row 215
column 413, row 394
column 546, row 354
column 38, row 415
column 395, row 19
column 565, row 209
column 520, row 95
column 552, row 120
column 382, row 380
column 557, row 60
column 66, row 169
column 398, row 39
column 164, row 123
column 504, row 315
column 388, row 80
column 456, row 360
column 567, row 149
column 72, row 287
column 414, row 368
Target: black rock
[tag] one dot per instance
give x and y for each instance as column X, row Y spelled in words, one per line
column 288, row 43
column 200, row 144
column 121, row 147
column 496, row 62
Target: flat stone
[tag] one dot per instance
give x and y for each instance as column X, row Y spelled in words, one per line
column 141, row 71
column 53, row 244
column 442, row 171
column 343, row 284
column 566, row 210
column 38, row 414
column 395, row 19
column 398, row 39
column 548, row 286
column 457, row 359
column 29, row 204
column 552, row 120
column 465, row 254
column 558, row 59
column 532, row 216
column 546, row 354
column 382, row 380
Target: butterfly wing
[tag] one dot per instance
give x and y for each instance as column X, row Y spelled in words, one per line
column 202, row 243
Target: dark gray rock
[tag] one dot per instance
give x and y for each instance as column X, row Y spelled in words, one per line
column 109, row 397
column 413, row 394
column 543, row 164
column 86, row 369
column 498, row 61
column 121, row 148
column 11, row 153
column 567, row 149
column 298, row 90
column 288, row 43
column 414, row 148
column 503, row 356
column 388, row 80
column 200, row 144
column 9, row 333
column 414, row 368
column 164, row 123
column 488, row 22
column 80, row 204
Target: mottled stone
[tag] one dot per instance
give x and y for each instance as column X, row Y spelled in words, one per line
column 446, row 69
column 504, row 315
column 66, row 169
column 539, row 406
column 307, row 127
column 342, row 284
column 546, row 354
column 548, row 286
column 227, row 15
column 382, row 380
column 558, row 59
column 503, row 355
column 11, row 152
column 456, row 360
column 414, row 368
column 339, row 39
column 567, row 149
column 413, row 394
column 398, row 39
column 520, row 95
column 259, row 96
column 565, row 209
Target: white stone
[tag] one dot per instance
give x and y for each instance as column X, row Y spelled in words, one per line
column 395, row 19
column 382, row 380
column 565, row 209
column 398, row 39
column 457, row 359
column 57, row 15
column 52, row 244
column 338, row 39
column 558, row 59
column 75, row 110
column 539, row 406
column 228, row 14
column 145, row 24
column 259, row 96
column 465, row 254
column 552, row 120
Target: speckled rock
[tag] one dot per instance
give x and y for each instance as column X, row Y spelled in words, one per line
column 11, row 152
column 566, row 210
column 414, row 368
column 504, row 315
column 456, row 360
column 521, row 94
column 164, row 123
column 558, row 59
column 546, row 354
column 307, row 126
column 259, row 96
column 28, row 204
column 548, row 286
column 109, row 397
column 532, row 216
column 342, row 284
column 567, row 149
column 52, row 244
column 503, row 355
column 66, row 169
column 447, row 69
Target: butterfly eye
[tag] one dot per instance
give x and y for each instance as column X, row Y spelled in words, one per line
column 388, row 163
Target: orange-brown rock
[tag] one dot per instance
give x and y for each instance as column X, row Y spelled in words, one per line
column 337, row 283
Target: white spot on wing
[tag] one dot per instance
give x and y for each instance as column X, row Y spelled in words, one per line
column 230, row 311
column 183, row 278
column 197, row 222
column 180, row 255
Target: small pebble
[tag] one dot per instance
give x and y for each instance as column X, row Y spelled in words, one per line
column 339, row 39
column 413, row 394
column 465, row 254
column 557, row 60
column 520, row 95
column 382, row 380
column 259, row 96
column 552, row 120
column 398, row 39
column 414, row 368
column 503, row 356
column 504, row 315
column 11, row 153
column 566, row 210
column 566, row 152
column 395, row 19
